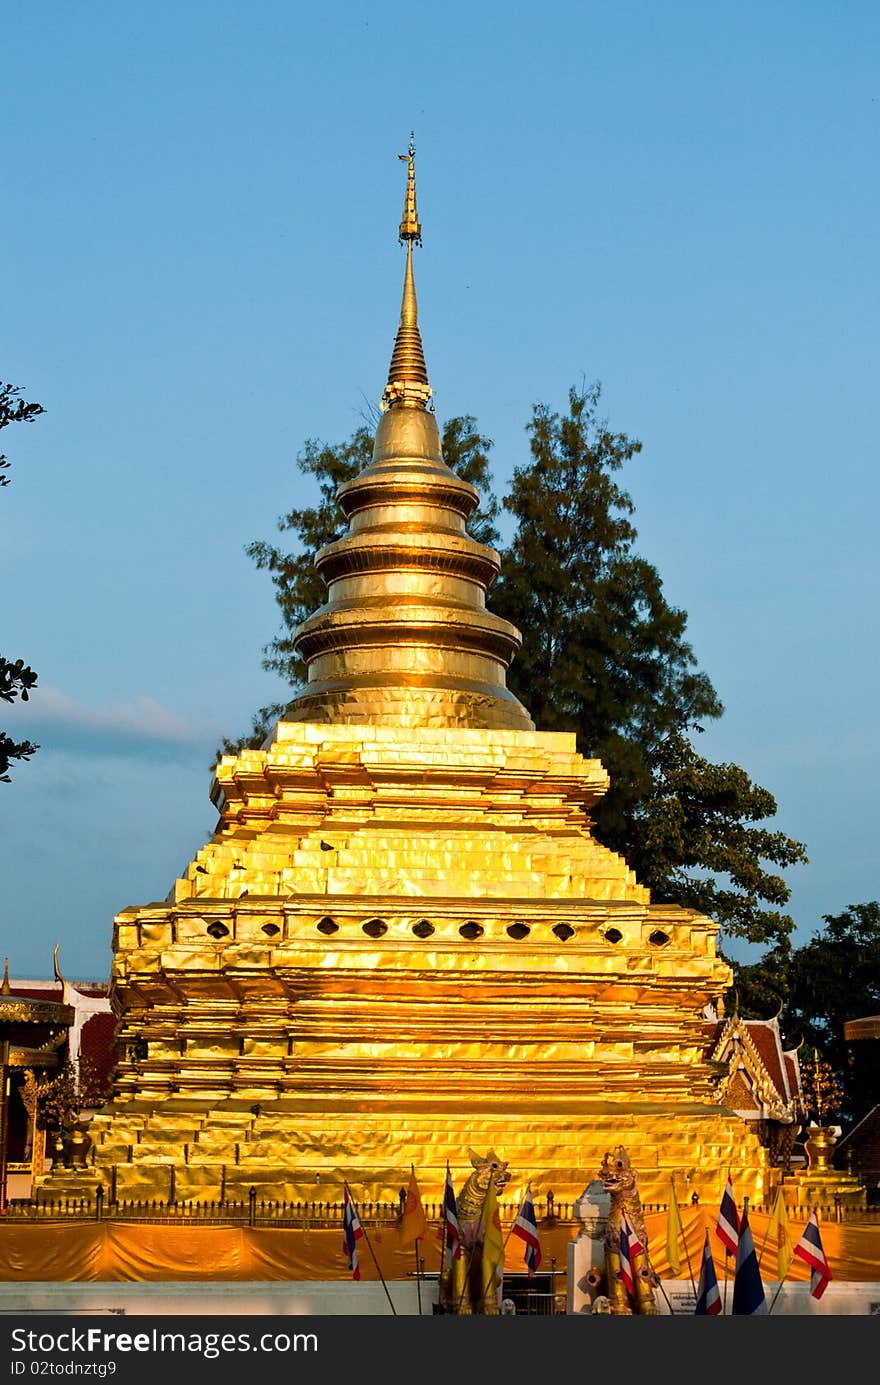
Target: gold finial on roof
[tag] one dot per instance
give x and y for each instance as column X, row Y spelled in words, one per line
column 6, row 989
column 58, row 976
column 410, row 226
column 408, row 374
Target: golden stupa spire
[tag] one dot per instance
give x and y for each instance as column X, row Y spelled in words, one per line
column 5, row 988
column 408, row 374
column 404, row 637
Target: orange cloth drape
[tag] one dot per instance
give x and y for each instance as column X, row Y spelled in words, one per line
column 139, row 1252
column 852, row 1249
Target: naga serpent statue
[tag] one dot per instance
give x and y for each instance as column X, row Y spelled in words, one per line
column 469, row 1287
column 619, row 1179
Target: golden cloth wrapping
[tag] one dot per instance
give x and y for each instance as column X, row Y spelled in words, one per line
column 137, row 1252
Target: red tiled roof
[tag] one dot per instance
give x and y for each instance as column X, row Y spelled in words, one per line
column 96, row 1046
column 52, row 992
column 764, row 1034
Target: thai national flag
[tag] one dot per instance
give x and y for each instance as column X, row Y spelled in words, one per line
column 708, row 1296
column 727, row 1229
column 748, row 1287
column 632, row 1237
column 809, row 1248
column 526, row 1228
column 351, row 1234
column 629, row 1245
column 450, row 1222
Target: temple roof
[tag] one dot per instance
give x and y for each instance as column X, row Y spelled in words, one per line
column 25, row 1005
column 753, row 1050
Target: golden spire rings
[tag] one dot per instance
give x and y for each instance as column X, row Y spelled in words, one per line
column 408, row 374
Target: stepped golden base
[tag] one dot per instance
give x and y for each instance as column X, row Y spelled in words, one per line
column 396, row 949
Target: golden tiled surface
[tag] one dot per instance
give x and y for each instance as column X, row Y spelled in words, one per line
column 402, row 941
column 291, row 973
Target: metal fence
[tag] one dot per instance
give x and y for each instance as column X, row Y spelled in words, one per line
column 254, row 1211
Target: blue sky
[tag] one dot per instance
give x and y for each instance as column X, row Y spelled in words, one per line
column 201, row 270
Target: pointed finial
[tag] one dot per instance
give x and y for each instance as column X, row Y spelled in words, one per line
column 6, row 989
column 408, row 374
column 58, row 976
column 410, row 226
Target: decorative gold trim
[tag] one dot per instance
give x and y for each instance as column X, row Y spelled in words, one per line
column 18, row 1009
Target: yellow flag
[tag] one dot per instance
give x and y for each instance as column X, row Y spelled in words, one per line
column 674, row 1235
column 492, row 1234
column 784, row 1246
column 414, row 1224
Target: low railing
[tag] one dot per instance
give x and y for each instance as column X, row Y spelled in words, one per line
column 541, row 1305
column 254, row 1211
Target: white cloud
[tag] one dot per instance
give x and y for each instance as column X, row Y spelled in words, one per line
column 140, row 726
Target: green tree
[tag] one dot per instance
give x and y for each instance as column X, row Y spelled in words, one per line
column 298, row 589
column 763, row 986
column 16, row 679
column 833, row 978
column 605, row 655
column 697, row 837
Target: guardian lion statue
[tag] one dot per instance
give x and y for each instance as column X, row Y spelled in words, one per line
column 469, row 1287
column 620, row 1181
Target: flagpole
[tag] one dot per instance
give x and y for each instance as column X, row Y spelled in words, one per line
column 442, row 1282
column 776, row 1295
column 412, row 1169
column 775, row 1216
column 786, row 1274
column 684, row 1243
column 371, row 1250
column 769, row 1224
column 659, row 1282
column 443, row 1230
column 726, row 1258
column 690, row 1266
column 513, row 1223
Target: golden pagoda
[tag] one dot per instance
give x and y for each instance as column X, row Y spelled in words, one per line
column 403, row 942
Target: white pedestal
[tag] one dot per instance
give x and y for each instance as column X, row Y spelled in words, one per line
column 586, row 1255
